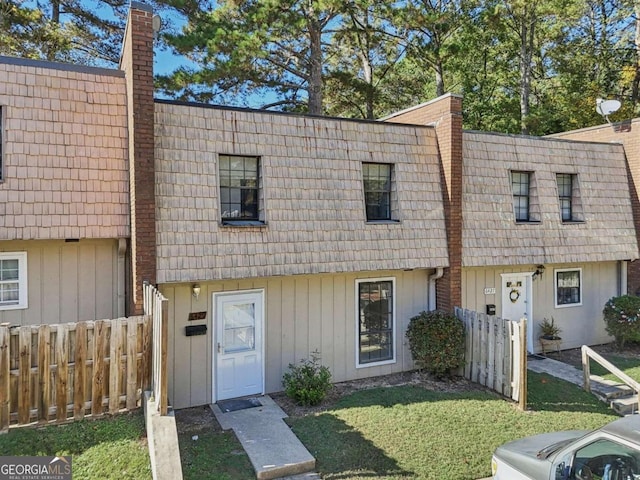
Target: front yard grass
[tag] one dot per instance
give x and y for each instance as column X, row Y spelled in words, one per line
column 111, row 448
column 629, row 365
column 410, row 432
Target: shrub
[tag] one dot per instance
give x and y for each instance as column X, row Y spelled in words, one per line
column 308, row 382
column 436, row 340
column 549, row 330
column 622, row 316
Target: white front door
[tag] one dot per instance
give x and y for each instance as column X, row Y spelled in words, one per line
column 517, row 302
column 238, row 369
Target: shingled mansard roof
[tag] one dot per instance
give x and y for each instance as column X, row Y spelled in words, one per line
column 312, row 192
column 65, row 172
column 490, row 233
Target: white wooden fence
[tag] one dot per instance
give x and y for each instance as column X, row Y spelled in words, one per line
column 156, row 308
column 495, row 353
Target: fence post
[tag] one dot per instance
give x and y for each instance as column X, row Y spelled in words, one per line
column 522, row 400
column 586, row 369
column 164, row 387
column 5, row 384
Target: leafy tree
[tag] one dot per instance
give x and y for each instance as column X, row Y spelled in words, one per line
column 26, row 32
column 253, row 47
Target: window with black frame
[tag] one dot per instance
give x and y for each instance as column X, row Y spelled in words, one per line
column 239, row 188
column 568, row 287
column 520, row 184
column 565, row 195
column 375, row 321
column 377, row 190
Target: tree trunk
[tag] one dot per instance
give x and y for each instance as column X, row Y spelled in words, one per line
column 526, row 55
column 315, row 73
column 636, row 80
column 439, row 78
column 55, row 11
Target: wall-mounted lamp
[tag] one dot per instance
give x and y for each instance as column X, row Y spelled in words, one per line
column 195, row 290
column 539, row 271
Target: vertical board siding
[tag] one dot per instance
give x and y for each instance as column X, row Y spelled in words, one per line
column 580, row 325
column 493, row 352
column 57, row 373
column 302, row 314
column 67, row 282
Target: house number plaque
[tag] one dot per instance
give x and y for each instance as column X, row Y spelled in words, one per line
column 490, row 291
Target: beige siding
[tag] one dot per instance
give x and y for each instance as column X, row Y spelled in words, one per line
column 64, row 152
column 302, row 314
column 312, row 191
column 490, row 233
column 580, row 324
column 69, row 281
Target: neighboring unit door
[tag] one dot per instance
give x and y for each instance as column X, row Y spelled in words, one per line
column 238, row 367
column 516, row 301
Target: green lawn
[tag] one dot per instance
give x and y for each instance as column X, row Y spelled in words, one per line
column 112, row 448
column 215, row 455
column 629, row 365
column 409, row 432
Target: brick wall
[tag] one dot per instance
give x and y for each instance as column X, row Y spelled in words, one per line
column 137, row 63
column 627, row 133
column 445, row 113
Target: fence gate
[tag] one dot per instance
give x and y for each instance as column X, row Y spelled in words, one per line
column 495, row 353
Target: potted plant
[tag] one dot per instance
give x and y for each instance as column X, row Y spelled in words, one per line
column 549, row 335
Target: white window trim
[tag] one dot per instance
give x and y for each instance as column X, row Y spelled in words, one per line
column 555, row 287
column 393, row 319
column 22, row 279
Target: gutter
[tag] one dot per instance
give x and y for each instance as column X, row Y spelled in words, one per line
column 432, row 287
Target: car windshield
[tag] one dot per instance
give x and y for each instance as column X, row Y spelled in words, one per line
column 553, row 448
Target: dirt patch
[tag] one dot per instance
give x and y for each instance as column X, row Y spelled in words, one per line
column 196, row 419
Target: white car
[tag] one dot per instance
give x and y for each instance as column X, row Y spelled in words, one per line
column 609, row 453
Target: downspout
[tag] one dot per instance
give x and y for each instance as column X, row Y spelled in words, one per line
column 432, row 287
column 623, row 277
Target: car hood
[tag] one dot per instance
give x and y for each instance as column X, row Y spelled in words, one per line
column 522, row 455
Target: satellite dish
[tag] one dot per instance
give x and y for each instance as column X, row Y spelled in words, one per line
column 156, row 23
column 607, row 107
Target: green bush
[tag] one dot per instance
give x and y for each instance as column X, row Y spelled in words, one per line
column 436, row 340
column 622, row 316
column 307, row 383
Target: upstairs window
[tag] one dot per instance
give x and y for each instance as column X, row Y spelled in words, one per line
column 1, row 144
column 239, row 188
column 568, row 287
column 13, row 280
column 377, row 190
column 569, row 197
column 520, row 184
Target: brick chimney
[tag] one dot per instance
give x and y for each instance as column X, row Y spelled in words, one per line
column 137, row 63
column 445, row 114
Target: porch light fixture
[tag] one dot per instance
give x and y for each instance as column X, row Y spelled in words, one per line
column 195, row 290
column 539, row 271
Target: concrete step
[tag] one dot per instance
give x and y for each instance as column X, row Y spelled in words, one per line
column 273, row 449
column 625, row 405
column 609, row 389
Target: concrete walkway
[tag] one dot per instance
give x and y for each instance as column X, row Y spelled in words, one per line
column 273, row 449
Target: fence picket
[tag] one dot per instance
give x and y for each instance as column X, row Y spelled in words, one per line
column 114, row 366
column 132, row 363
column 5, row 383
column 79, row 372
column 24, row 379
column 97, row 383
column 44, row 372
column 62, row 362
